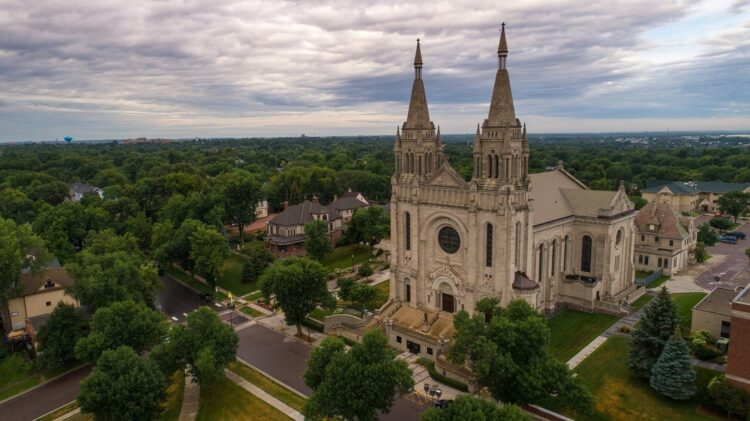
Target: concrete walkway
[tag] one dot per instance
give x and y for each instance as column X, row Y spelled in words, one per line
column 263, row 395
column 708, row 365
column 190, row 399
column 628, row 321
column 420, row 375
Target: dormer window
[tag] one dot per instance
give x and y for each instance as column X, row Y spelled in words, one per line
column 651, row 227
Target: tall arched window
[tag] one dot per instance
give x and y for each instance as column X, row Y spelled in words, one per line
column 407, row 230
column 586, row 254
column 540, row 271
column 489, row 166
column 518, row 245
column 565, row 253
column 496, row 174
column 553, row 266
column 488, row 248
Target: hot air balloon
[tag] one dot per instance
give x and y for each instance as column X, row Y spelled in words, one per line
column 68, row 139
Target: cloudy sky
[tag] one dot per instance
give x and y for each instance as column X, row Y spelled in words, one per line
column 117, row 69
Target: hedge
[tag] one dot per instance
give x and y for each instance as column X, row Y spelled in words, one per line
column 430, row 366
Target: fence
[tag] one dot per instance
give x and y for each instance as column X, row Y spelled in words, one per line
column 649, row 279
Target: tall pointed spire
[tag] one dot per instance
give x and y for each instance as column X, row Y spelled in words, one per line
column 502, row 112
column 418, row 116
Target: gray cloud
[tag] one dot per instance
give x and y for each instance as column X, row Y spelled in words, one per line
column 254, row 67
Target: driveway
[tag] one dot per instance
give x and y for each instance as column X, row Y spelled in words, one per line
column 729, row 268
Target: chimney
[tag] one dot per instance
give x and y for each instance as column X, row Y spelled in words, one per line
column 335, row 198
column 315, row 199
column 285, row 204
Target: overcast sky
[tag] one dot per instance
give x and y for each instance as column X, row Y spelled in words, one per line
column 119, row 69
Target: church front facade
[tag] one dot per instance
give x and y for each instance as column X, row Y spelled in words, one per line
column 544, row 238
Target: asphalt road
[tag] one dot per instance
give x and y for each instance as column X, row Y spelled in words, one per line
column 44, row 399
column 285, row 359
column 177, row 300
column 728, row 269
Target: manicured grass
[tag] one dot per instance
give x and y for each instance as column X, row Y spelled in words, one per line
column 270, row 386
column 659, row 281
column 641, row 302
column 231, row 276
column 18, row 375
column 685, row 302
column 196, row 284
column 60, row 411
column 173, row 404
column 251, row 312
column 341, row 257
column 384, row 289
column 640, row 274
column 320, row 314
column 572, row 330
column 620, row 396
column 225, row 401
column 257, row 295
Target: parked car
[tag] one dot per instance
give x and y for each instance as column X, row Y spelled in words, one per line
column 206, row 297
column 728, row 239
column 443, row 403
column 739, row 234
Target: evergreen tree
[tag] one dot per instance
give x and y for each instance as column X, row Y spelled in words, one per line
column 248, row 273
column 672, row 375
column 657, row 325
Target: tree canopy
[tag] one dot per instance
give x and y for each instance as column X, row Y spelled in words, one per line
column 734, row 203
column 507, row 350
column 355, row 384
column 368, row 225
column 658, row 324
column 299, row 286
column 673, row 375
column 59, row 334
column 19, row 249
column 317, row 241
column 468, row 407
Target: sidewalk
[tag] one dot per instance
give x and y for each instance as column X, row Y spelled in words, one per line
column 261, row 394
column 190, row 399
column 422, row 376
column 685, row 280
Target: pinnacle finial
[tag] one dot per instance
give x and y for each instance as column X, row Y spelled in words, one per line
column 478, row 128
column 418, row 56
column 502, row 48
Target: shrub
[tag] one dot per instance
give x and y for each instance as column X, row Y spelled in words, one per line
column 728, row 398
column 625, row 329
column 430, row 366
column 364, row 270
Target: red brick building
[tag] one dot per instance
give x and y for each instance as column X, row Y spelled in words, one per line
column 738, row 358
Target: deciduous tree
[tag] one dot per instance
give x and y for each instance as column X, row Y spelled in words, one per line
column 205, row 345
column 734, row 203
column 124, row 323
column 658, row 324
column 241, row 194
column 58, row 337
column 208, row 249
column 123, row 387
column 508, row 353
column 317, row 241
column 368, row 225
column 19, row 249
column 355, row 384
column 707, row 235
column 299, row 285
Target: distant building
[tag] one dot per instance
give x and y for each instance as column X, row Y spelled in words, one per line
column 738, row 358
column 40, row 295
column 287, row 229
column 714, row 313
column 664, row 239
column 348, row 203
column 77, row 190
column 687, row 196
column 261, row 209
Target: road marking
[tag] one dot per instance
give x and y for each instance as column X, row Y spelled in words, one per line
column 175, row 319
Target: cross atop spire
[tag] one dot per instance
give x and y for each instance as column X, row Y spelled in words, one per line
column 502, row 48
column 418, row 56
column 419, row 115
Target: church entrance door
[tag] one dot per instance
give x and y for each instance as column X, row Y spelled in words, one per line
column 413, row 347
column 448, row 303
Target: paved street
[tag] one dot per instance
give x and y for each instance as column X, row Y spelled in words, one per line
column 44, row 399
column 177, row 300
column 730, row 267
column 285, row 359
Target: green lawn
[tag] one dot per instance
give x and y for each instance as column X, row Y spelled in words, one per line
column 641, row 302
column 231, row 276
column 257, row 295
column 252, row 312
column 17, row 375
column 60, row 411
column 341, row 257
column 685, row 302
column 384, row 289
column 572, row 330
column 659, row 282
column 620, row 396
column 173, row 404
column 225, row 401
column 320, row 314
column 273, row 388
column 198, row 285
column 640, row 274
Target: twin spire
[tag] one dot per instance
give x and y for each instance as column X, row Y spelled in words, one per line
column 502, row 112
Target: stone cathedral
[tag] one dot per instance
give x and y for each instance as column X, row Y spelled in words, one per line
column 545, row 238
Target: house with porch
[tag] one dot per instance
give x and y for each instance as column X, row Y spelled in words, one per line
column 664, row 240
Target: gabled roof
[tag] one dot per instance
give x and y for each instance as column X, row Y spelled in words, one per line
column 301, row 213
column 49, row 280
column 549, row 203
column 719, row 301
column 666, row 221
column 347, row 202
column 588, row 202
column 693, row 187
column 82, row 188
